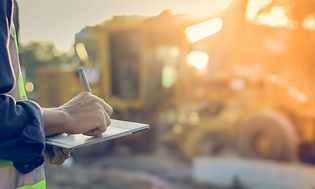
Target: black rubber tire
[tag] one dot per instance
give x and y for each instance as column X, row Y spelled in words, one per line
column 307, row 152
column 281, row 135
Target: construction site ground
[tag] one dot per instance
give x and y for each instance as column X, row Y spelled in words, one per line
column 164, row 169
column 119, row 170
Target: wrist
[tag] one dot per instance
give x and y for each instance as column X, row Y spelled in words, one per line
column 55, row 121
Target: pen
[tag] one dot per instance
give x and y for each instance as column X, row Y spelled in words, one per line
column 84, row 80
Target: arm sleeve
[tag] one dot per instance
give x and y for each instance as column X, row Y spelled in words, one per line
column 21, row 122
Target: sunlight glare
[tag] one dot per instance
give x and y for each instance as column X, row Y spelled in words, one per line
column 309, row 23
column 254, row 6
column 198, row 59
column 29, row 86
column 203, row 30
column 276, row 17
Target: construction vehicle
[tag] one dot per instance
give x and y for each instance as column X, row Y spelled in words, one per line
column 246, row 98
column 255, row 96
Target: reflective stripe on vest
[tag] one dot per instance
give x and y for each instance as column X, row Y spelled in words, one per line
column 4, row 163
column 9, row 175
column 22, row 92
column 10, row 178
column 38, row 185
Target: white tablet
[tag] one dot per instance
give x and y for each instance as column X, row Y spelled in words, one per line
column 117, row 129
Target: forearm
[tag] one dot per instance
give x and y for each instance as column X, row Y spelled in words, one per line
column 55, row 121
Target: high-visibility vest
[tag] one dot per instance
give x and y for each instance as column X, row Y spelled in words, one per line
column 10, row 178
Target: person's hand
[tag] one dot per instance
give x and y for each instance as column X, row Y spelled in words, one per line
column 84, row 114
column 56, row 155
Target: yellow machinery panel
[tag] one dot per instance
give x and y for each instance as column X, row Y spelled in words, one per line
column 57, row 85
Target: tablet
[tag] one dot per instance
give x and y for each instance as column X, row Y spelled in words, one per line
column 117, row 129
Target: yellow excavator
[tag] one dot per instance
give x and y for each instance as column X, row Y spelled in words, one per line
column 228, row 82
column 255, row 96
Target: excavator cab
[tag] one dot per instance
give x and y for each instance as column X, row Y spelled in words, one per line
column 133, row 61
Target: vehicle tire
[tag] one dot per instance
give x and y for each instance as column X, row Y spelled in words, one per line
column 307, row 152
column 269, row 135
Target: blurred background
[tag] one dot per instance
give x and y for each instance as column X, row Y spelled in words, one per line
column 227, row 87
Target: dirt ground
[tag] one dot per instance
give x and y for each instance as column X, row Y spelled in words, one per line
column 123, row 170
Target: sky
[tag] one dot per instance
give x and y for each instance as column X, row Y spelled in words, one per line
column 58, row 20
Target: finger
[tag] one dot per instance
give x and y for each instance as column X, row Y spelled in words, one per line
column 85, row 93
column 81, row 96
column 108, row 120
column 59, row 156
column 92, row 119
column 92, row 98
column 66, row 152
column 101, row 127
column 93, row 132
column 98, row 131
column 106, row 106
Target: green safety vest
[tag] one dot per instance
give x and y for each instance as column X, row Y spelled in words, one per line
column 35, row 179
